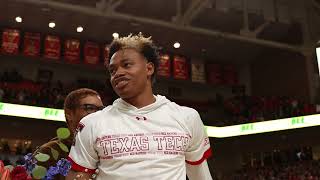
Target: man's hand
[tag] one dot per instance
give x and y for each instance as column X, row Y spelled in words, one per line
column 72, row 175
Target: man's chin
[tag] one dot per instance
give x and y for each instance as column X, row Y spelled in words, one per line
column 124, row 94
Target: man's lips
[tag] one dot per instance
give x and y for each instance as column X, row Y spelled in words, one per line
column 121, row 82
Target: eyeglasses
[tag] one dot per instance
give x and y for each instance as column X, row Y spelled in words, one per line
column 90, row 108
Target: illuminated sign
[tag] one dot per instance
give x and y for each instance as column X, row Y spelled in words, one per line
column 218, row 132
column 264, row 126
column 246, row 127
column 31, row 112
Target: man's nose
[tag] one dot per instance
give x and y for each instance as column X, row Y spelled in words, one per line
column 120, row 72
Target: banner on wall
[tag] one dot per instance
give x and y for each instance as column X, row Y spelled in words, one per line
column 31, row 44
column 198, row 71
column 164, row 66
column 214, row 72
column 10, row 41
column 91, row 53
column 230, row 76
column 180, row 68
column 72, row 51
column 52, row 47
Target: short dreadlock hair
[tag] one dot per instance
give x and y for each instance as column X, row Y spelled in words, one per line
column 143, row 45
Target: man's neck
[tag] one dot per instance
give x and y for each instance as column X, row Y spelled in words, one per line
column 142, row 100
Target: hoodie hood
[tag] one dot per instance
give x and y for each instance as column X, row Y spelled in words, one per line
column 127, row 108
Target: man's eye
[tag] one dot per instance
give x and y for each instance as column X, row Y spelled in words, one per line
column 127, row 65
column 91, row 109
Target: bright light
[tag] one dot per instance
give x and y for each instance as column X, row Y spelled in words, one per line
column 318, row 57
column 176, row 45
column 79, row 29
column 18, row 19
column 115, row 35
column 52, row 24
column 31, row 112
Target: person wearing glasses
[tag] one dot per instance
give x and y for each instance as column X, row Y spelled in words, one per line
column 78, row 104
column 141, row 135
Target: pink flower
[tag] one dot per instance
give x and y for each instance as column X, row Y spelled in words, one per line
column 4, row 172
column 1, row 167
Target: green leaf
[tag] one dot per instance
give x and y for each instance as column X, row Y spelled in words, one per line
column 63, row 147
column 39, row 172
column 42, row 157
column 63, row 133
column 54, row 153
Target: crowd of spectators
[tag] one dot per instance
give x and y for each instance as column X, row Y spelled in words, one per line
column 16, row 89
column 248, row 109
column 303, row 170
column 291, row 164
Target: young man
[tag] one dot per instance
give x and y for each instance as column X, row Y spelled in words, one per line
column 78, row 104
column 140, row 136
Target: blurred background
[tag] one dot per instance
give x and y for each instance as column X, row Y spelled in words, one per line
column 238, row 62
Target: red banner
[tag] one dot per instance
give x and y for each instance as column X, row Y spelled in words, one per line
column 52, row 47
column 180, row 68
column 106, row 57
column 214, row 74
column 31, row 44
column 91, row 53
column 198, row 72
column 164, row 66
column 10, row 41
column 230, row 76
column 72, row 51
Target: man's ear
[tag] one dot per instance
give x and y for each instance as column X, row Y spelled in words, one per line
column 150, row 68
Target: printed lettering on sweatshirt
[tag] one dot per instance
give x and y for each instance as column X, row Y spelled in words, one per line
column 161, row 143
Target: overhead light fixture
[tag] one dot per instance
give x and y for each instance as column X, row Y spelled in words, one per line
column 18, row 19
column 115, row 35
column 79, row 29
column 52, row 25
column 318, row 54
column 176, row 45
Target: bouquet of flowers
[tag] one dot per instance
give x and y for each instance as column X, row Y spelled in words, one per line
column 30, row 169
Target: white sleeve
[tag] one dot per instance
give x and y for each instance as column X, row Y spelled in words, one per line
column 199, row 146
column 200, row 171
column 83, row 155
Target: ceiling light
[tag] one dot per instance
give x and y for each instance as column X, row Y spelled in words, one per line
column 79, row 29
column 318, row 55
column 176, row 45
column 18, row 19
column 52, row 24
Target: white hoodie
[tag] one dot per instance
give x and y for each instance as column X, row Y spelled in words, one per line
column 155, row 141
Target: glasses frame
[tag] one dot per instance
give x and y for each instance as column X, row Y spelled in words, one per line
column 94, row 108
